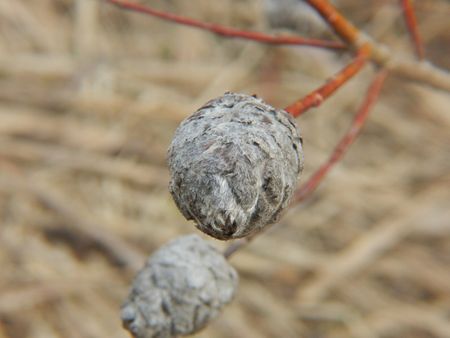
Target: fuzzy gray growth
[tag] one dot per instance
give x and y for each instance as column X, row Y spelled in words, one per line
column 182, row 287
column 234, row 165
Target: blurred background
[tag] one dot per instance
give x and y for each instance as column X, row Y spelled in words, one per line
column 90, row 96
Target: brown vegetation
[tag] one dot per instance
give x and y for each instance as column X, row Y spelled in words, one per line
column 89, row 99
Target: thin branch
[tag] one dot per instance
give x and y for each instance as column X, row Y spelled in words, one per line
column 421, row 72
column 346, row 30
column 411, row 24
column 358, row 122
column 227, row 31
column 235, row 246
column 315, row 98
column 312, row 100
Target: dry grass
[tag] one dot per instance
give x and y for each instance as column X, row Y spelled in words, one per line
column 89, row 99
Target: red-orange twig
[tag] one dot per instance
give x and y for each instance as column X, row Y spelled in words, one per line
column 227, row 31
column 372, row 94
column 315, row 98
column 420, row 72
column 337, row 21
column 349, row 34
column 411, row 24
